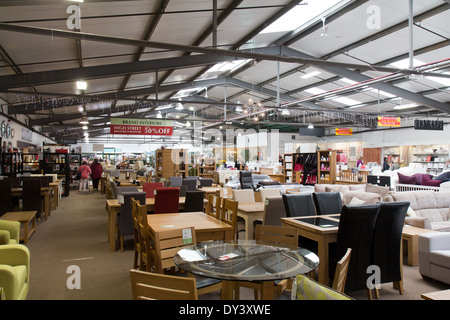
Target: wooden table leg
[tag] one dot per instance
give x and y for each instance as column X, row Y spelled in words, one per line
column 112, row 230
column 267, row 290
column 227, row 290
column 323, row 258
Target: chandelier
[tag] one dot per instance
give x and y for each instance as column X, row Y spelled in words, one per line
column 254, row 110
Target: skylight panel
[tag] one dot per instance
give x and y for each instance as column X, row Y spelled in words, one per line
column 404, row 64
column 444, row 81
column 343, row 100
column 301, row 14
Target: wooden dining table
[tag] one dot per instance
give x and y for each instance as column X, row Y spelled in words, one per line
column 206, row 227
column 45, row 192
column 113, row 208
column 250, row 212
column 323, row 229
column 209, row 190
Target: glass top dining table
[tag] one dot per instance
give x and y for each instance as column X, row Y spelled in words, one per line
column 245, row 260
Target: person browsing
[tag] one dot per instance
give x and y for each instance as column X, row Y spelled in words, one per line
column 84, row 179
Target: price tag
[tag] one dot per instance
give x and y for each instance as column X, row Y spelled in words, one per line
column 187, row 236
column 121, row 198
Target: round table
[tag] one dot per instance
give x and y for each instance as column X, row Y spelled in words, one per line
column 246, row 260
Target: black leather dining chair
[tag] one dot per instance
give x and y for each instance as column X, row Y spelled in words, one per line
column 327, row 202
column 387, row 239
column 191, row 184
column 125, row 219
column 246, row 180
column 299, row 204
column 194, row 201
column 355, row 231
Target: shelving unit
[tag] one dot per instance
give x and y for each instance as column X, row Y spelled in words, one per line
column 30, row 163
column 288, row 167
column 165, row 166
column 435, row 162
column 326, row 166
column 206, row 168
column 305, row 160
column 11, row 164
column 58, row 163
column 74, row 164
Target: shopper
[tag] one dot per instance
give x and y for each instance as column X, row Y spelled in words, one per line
column 385, row 165
column 359, row 163
column 84, row 180
column 97, row 171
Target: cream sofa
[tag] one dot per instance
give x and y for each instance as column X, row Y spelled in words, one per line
column 428, row 209
column 355, row 194
column 434, row 256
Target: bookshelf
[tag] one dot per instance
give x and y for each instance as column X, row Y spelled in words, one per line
column 326, row 166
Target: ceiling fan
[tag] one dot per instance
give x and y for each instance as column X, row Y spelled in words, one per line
column 324, row 33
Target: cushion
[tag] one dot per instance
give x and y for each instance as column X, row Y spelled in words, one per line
column 22, row 273
column 337, row 188
column 445, row 176
column 411, row 212
column 356, row 201
column 403, row 179
column 419, row 177
column 443, row 226
column 4, row 237
column 359, row 187
column 382, row 191
column 367, row 197
column 305, row 288
column 427, row 181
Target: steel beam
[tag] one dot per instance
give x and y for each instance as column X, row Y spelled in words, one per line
column 358, row 77
column 246, row 54
column 86, row 73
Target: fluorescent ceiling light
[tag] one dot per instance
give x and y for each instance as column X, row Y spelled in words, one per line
column 76, row 0
column 85, row 127
column 310, row 74
column 406, row 106
column 81, row 85
column 227, row 66
column 383, row 93
column 315, row 91
column 300, row 15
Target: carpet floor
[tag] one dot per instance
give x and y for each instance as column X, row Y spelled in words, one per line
column 75, row 238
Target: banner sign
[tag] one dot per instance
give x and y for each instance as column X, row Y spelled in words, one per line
column 389, row 121
column 344, row 132
column 152, row 127
column 428, row 125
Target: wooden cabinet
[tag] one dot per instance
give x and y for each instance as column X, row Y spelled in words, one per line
column 171, row 163
column 206, row 168
column 326, row 166
column 11, row 164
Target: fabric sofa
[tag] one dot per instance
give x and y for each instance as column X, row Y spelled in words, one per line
column 434, row 256
column 428, row 209
column 355, row 194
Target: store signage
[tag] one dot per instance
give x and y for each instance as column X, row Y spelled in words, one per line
column 344, row 132
column 389, row 121
column 152, row 127
column 428, row 125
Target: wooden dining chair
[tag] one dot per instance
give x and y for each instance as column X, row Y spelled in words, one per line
column 167, row 244
column 137, row 240
column 340, row 275
column 228, row 214
column 147, row 254
column 211, row 206
column 275, row 235
column 155, row 286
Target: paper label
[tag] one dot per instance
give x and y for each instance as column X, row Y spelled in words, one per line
column 121, row 198
column 228, row 256
column 187, row 236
